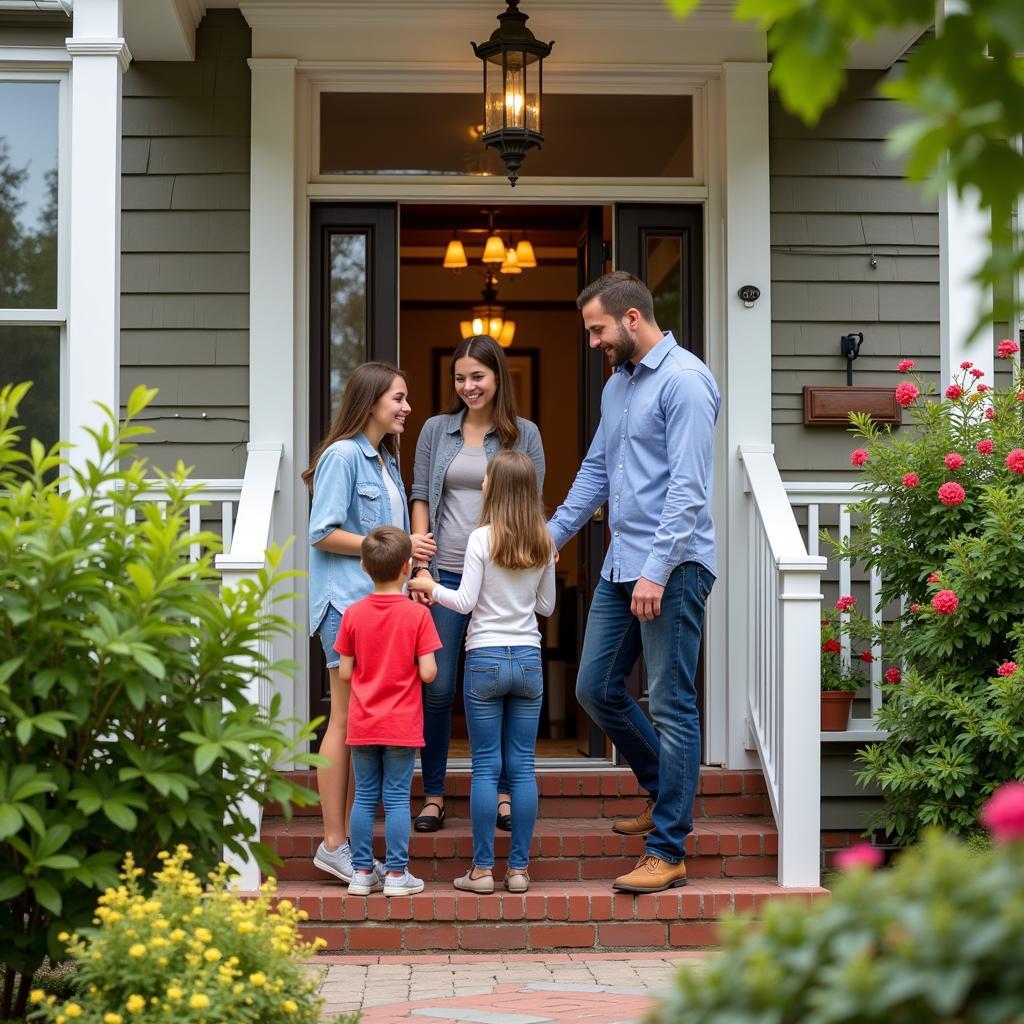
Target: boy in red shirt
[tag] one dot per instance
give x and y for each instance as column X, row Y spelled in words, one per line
column 387, row 645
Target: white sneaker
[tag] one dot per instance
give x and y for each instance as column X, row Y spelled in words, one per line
column 407, row 885
column 365, row 882
column 337, row 862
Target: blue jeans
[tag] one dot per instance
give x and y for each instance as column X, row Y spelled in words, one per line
column 328, row 632
column 383, row 774
column 663, row 751
column 439, row 696
column 503, row 688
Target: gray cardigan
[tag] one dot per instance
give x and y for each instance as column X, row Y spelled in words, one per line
column 440, row 441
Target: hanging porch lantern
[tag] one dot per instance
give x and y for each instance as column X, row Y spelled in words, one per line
column 513, row 79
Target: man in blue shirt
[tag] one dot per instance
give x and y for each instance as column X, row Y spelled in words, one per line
column 651, row 461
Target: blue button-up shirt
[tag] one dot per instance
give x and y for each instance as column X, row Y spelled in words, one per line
column 651, row 461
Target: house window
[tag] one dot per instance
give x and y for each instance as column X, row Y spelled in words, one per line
column 32, row 315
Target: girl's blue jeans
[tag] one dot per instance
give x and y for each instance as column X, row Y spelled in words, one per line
column 383, row 774
column 502, row 689
column 439, row 696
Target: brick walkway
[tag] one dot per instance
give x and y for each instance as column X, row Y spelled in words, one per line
column 601, row 988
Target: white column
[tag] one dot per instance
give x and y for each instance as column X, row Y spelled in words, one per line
column 272, row 335
column 99, row 57
column 748, row 362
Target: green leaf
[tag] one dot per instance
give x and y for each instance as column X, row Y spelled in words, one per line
column 47, row 895
column 205, row 756
column 120, row 814
column 152, row 664
column 11, row 886
column 10, row 820
column 9, row 667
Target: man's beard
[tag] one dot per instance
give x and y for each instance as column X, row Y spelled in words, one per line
column 623, row 348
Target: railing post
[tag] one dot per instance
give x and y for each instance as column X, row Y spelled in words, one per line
column 800, row 756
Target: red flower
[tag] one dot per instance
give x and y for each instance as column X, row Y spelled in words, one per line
column 867, row 656
column 905, row 365
column 951, row 493
column 954, row 391
column 966, row 364
column 954, row 460
column 911, row 480
column 945, row 602
column 1020, row 396
column 986, row 447
column 915, row 607
column 1015, row 461
column 934, row 578
column 1003, row 814
column 893, row 676
column 1007, row 348
column 906, row 393
column 990, row 413
column 863, row 855
column 982, row 388
column 845, row 603
column 831, row 647
column 977, row 373
column 858, row 457
column 1007, row 668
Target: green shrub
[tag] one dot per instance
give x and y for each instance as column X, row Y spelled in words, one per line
column 125, row 720
column 199, row 954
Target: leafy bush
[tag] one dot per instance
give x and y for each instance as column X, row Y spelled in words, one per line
column 125, row 717
column 199, row 953
column 936, row 938
column 945, row 505
column 837, row 675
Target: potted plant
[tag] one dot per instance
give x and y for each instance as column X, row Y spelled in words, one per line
column 839, row 678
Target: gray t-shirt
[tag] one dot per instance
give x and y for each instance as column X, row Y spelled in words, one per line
column 463, row 501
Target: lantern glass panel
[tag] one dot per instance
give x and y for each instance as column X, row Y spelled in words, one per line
column 531, row 93
column 515, row 89
column 494, row 94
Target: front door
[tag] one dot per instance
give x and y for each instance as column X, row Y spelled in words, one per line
column 353, row 306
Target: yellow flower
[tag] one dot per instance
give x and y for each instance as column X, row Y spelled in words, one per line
column 63, row 937
column 37, row 995
column 60, row 1019
column 73, row 1010
column 137, row 950
column 198, row 1001
column 174, row 993
column 204, row 934
column 245, row 927
column 135, row 1003
column 212, row 955
column 113, row 1018
column 258, row 979
column 290, row 1006
column 238, row 989
column 177, row 935
column 285, row 905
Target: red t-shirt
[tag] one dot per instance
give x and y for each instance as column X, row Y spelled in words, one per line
column 386, row 633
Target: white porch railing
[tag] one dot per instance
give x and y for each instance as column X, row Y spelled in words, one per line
column 837, row 498
column 210, row 494
column 784, row 666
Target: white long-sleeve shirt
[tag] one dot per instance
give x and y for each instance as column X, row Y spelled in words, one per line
column 504, row 602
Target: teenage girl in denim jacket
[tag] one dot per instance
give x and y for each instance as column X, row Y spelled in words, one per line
column 355, row 486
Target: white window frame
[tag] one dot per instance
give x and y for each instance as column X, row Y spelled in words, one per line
column 47, row 65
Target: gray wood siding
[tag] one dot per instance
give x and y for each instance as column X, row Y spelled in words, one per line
column 185, row 248
column 837, row 199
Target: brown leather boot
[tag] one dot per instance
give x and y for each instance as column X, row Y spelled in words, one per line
column 638, row 826
column 652, row 874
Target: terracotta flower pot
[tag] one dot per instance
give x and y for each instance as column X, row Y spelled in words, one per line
column 835, row 709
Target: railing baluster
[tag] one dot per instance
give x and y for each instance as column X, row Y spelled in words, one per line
column 195, row 522
column 845, row 579
column 226, row 523
column 813, row 529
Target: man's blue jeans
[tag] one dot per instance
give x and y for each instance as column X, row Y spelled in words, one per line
column 503, row 688
column 663, row 751
column 383, row 775
column 439, row 696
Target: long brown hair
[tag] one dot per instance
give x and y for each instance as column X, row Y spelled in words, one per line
column 513, row 510
column 484, row 349
column 362, row 392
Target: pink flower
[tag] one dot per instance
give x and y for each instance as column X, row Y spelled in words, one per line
column 954, row 391
column 1007, row 348
column 911, row 480
column 845, row 603
column 1015, row 461
column 858, row 457
column 863, row 855
column 945, row 602
column 1003, row 813
column 966, row 364
column 986, row 447
column 905, row 365
column 915, row 607
column 990, row 413
column 831, row 647
column 982, row 388
column 934, row 578
column 954, row 460
column 893, row 676
column 951, row 493
column 906, row 393
column 867, row 656
column 1007, row 668
column 1020, row 396
column 976, row 373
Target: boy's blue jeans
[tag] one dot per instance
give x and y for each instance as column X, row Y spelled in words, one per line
column 663, row 751
column 383, row 774
column 502, row 689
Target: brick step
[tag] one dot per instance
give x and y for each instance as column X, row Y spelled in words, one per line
column 596, row 793
column 552, row 915
column 565, row 849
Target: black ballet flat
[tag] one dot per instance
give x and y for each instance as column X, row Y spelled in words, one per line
column 505, row 820
column 430, row 822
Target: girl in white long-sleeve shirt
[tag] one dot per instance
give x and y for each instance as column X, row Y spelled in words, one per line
column 508, row 578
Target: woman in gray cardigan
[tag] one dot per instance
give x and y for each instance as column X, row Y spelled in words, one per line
column 451, row 456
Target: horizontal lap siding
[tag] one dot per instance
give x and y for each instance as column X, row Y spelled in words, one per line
column 837, row 198
column 185, row 248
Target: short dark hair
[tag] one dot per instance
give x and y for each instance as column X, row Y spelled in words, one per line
column 619, row 291
column 384, row 551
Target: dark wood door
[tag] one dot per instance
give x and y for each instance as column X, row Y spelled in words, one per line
column 664, row 246
column 353, row 302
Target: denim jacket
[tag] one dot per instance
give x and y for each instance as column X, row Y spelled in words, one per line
column 348, row 494
column 440, row 441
